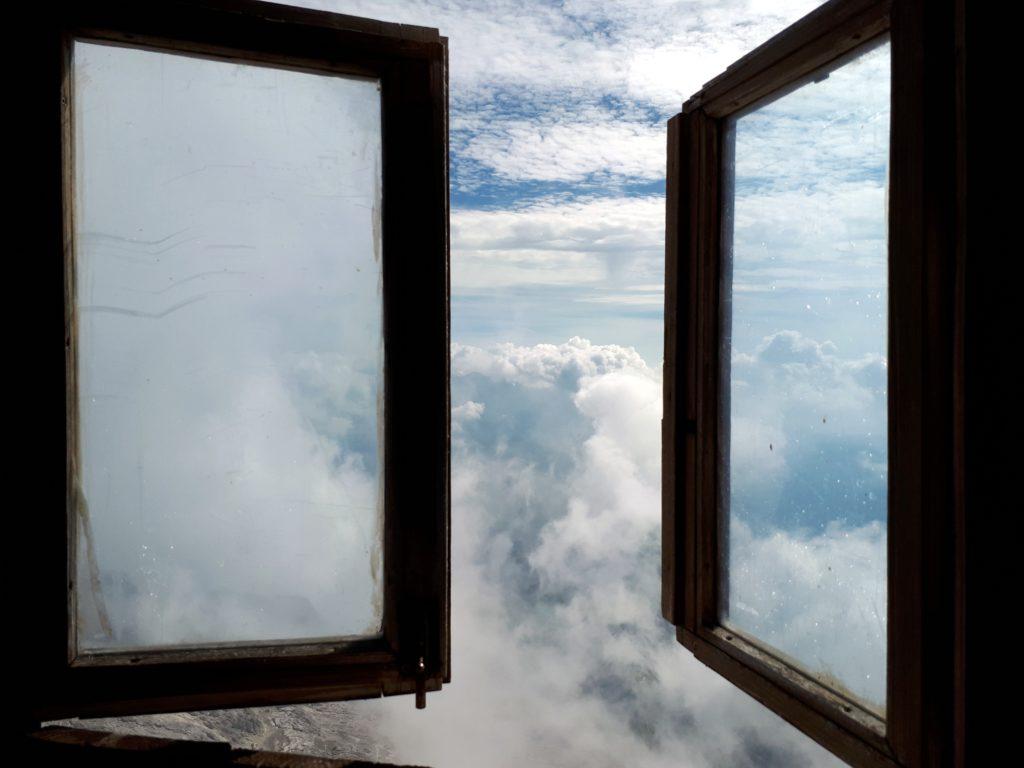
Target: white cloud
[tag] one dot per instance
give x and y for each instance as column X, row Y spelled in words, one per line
column 544, row 365
column 530, row 80
column 247, row 549
column 618, row 473
column 819, row 598
column 807, row 489
column 468, row 411
column 588, row 242
column 605, row 46
column 639, row 298
column 800, row 382
column 547, row 149
column 560, row 656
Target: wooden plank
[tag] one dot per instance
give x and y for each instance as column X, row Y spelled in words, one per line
column 289, row 14
column 83, row 747
column 691, row 384
column 280, row 653
column 439, row 81
column 686, row 306
column 66, row 201
column 923, row 460
column 417, row 344
column 827, row 730
column 821, row 37
column 212, row 686
column 785, row 672
column 252, row 32
column 707, row 370
column 671, row 520
column 236, row 13
column 962, row 392
column 906, row 371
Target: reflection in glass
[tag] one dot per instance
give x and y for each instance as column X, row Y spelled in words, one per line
column 804, row 318
column 230, row 353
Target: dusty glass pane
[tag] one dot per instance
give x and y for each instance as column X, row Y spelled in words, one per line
column 804, row 353
column 230, row 354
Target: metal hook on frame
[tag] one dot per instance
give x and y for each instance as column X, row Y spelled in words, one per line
column 421, row 684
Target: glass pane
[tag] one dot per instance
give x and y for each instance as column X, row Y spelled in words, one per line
column 804, row 354
column 230, row 351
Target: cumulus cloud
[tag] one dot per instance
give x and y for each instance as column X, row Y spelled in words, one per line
column 560, row 655
column 595, row 242
column 246, row 549
column 807, row 490
column 468, row 411
column 808, row 435
column 543, row 365
column 820, row 598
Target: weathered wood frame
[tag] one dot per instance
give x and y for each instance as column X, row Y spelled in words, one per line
column 925, row 712
column 412, row 654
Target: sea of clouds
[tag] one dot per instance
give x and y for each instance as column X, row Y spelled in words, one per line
column 560, row 656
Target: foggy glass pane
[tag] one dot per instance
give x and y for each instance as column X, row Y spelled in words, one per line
column 230, row 351
column 805, row 299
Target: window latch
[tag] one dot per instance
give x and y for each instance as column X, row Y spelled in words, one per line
column 421, row 684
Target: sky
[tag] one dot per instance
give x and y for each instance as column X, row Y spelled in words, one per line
column 560, row 656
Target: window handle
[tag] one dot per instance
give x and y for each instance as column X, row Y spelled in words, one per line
column 421, row 684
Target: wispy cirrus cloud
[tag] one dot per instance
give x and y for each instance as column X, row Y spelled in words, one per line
column 584, row 46
column 568, row 149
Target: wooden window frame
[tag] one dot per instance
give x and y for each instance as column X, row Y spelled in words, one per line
column 925, row 704
column 412, row 655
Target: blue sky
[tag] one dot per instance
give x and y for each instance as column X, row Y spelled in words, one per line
column 557, row 135
column 560, row 656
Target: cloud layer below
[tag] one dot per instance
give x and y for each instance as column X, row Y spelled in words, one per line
column 560, row 655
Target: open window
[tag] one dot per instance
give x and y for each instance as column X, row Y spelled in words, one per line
column 251, row 203
column 813, row 379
